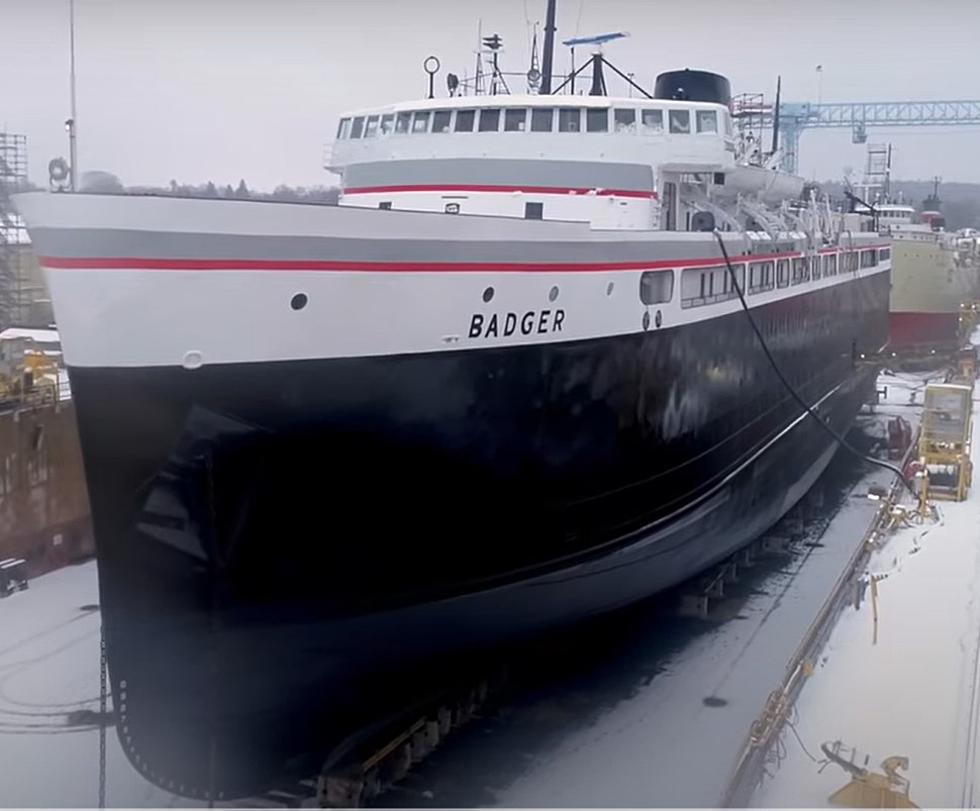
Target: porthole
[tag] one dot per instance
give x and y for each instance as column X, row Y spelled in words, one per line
column 553, row 293
column 298, row 302
column 646, row 320
column 488, row 295
column 609, row 288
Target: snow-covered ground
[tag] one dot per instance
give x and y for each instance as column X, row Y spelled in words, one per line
column 912, row 690
column 49, row 668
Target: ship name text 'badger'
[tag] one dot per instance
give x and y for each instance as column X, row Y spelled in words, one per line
column 507, row 324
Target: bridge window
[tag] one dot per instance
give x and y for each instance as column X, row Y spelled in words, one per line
column 534, row 211
column 869, row 258
column 624, row 120
column 371, row 128
column 542, row 119
column 569, row 119
column 420, row 121
column 465, row 119
column 884, row 254
column 680, row 121
column 441, row 120
column 387, row 122
column 357, row 128
column 656, row 286
column 403, row 122
column 515, row 119
column 490, row 120
column 814, row 265
column 343, row 128
column 597, row 120
column 653, row 121
column 831, row 265
column 707, row 121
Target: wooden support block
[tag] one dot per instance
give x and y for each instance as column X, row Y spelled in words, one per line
column 715, row 587
column 744, row 558
column 694, row 605
column 731, row 571
column 339, row 791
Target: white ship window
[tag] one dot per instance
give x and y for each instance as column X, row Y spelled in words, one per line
column 371, row 128
column 728, row 123
column 490, row 120
column 761, row 276
column 832, row 264
column 700, row 286
column 542, row 119
column 814, row 265
column 465, row 119
column 403, row 122
column 782, row 273
column 800, row 270
column 387, row 123
column 357, row 127
column 515, row 119
column 385, row 205
column 343, row 128
column 884, row 254
column 534, row 211
column 624, row 120
column 707, row 121
column 569, row 119
column 441, row 120
column 653, row 121
column 869, row 258
column 420, row 121
column 597, row 120
column 656, row 286
column 680, row 121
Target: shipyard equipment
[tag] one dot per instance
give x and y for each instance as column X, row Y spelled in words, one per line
column 869, row 789
column 944, row 441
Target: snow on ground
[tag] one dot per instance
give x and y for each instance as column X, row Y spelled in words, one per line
column 911, row 691
column 49, row 667
column 662, row 745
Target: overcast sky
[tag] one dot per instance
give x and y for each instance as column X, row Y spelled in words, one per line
column 221, row 89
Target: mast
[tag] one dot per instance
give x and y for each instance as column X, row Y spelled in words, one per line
column 71, row 123
column 775, row 116
column 549, row 49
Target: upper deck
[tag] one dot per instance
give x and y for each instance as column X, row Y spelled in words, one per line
column 679, row 135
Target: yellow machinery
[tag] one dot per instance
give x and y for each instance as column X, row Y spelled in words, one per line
column 969, row 318
column 868, row 789
column 27, row 375
column 945, row 439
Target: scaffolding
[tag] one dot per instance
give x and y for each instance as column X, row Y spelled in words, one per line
column 13, row 234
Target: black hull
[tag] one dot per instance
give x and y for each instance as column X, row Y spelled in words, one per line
column 275, row 541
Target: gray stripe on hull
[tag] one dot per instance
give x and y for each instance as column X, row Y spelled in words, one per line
column 79, row 243
column 493, row 172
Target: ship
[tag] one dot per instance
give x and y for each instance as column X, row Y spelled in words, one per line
column 934, row 271
column 507, row 384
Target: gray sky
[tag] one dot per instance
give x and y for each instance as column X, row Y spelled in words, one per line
column 223, row 89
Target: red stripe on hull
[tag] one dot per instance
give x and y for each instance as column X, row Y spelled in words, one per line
column 455, row 187
column 910, row 329
column 151, row 263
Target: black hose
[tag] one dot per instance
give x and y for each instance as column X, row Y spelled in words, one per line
column 789, row 386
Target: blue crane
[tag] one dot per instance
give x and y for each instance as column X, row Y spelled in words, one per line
column 858, row 116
